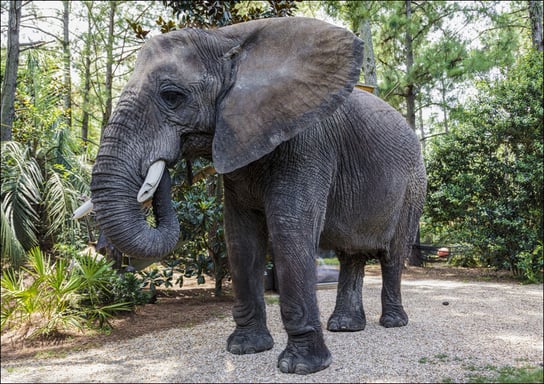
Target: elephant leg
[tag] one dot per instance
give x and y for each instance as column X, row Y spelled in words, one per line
column 348, row 314
column 392, row 263
column 393, row 314
column 246, row 239
column 294, row 249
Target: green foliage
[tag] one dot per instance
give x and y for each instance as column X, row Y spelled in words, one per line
column 48, row 297
column 44, row 305
column 39, row 102
column 105, row 291
column 509, row 374
column 155, row 278
column 452, row 43
column 531, row 264
column 42, row 177
column 128, row 288
column 96, row 275
column 208, row 14
column 22, row 182
column 39, row 193
column 200, row 214
column 486, row 176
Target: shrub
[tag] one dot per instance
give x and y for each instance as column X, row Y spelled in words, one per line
column 48, row 297
column 42, row 298
column 486, row 175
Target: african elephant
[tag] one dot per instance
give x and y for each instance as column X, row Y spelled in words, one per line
column 308, row 161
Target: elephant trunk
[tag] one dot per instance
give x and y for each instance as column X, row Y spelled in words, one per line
column 116, row 181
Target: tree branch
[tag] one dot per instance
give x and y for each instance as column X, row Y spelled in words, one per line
column 33, row 45
column 433, row 135
column 42, row 31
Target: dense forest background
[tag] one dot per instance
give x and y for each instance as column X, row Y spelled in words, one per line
column 467, row 75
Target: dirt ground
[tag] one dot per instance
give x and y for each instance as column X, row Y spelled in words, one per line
column 194, row 304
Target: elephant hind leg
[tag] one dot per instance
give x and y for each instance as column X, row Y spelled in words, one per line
column 348, row 314
column 393, row 314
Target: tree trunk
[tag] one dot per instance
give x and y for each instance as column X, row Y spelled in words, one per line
column 414, row 258
column 369, row 63
column 86, row 80
column 535, row 16
column 410, row 88
column 67, row 64
column 421, row 126
column 215, row 187
column 9, row 86
column 444, row 105
column 109, row 65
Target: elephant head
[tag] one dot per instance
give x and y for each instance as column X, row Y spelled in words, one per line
column 232, row 94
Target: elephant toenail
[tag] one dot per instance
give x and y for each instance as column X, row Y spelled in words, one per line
column 283, row 365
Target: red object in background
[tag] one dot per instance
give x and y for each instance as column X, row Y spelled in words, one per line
column 443, row 252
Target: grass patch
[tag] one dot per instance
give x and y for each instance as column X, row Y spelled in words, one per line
column 438, row 358
column 490, row 373
column 442, row 357
column 509, row 375
column 272, row 299
column 328, row 261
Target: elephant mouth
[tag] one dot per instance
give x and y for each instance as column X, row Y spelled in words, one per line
column 196, row 145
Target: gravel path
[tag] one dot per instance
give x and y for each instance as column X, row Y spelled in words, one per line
column 485, row 325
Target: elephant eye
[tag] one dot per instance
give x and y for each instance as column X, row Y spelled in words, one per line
column 172, row 98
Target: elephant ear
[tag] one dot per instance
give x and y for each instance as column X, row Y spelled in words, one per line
column 288, row 74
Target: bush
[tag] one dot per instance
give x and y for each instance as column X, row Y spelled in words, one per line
column 199, row 207
column 486, row 175
column 41, row 299
column 531, row 264
column 48, row 297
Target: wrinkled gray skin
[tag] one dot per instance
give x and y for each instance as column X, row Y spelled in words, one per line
column 307, row 160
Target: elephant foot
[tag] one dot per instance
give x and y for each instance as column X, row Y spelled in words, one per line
column 245, row 341
column 392, row 319
column 346, row 322
column 307, row 354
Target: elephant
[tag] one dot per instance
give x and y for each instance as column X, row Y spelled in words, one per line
column 308, row 162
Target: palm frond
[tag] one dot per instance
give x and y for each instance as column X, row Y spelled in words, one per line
column 59, row 202
column 22, row 181
column 12, row 250
column 39, row 264
column 81, row 175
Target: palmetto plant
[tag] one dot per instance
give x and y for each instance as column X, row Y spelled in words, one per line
column 46, row 297
column 46, row 302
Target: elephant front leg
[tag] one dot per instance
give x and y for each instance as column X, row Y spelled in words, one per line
column 348, row 314
column 393, row 314
column 246, row 240
column 306, row 351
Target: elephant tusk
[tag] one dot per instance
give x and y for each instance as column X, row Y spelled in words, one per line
column 154, row 175
column 83, row 210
